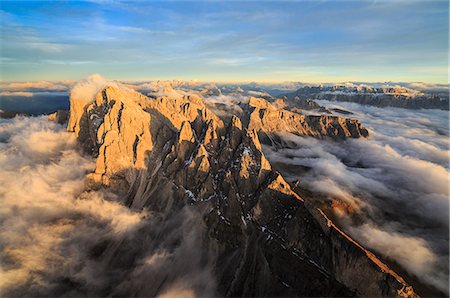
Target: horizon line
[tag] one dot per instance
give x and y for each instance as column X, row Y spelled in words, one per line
column 231, row 81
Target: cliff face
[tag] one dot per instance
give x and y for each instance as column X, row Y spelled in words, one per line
column 165, row 154
column 266, row 118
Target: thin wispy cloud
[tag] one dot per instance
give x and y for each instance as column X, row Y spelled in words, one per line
column 336, row 40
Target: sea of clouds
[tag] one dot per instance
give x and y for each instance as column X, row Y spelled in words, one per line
column 57, row 239
column 395, row 184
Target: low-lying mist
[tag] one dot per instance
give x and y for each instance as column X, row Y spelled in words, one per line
column 390, row 191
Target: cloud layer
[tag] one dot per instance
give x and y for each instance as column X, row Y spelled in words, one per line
column 391, row 191
column 56, row 239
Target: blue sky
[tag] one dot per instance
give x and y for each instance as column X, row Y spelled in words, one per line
column 310, row 41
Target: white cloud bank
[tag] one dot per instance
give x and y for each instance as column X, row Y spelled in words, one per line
column 57, row 240
column 46, row 224
column 86, row 89
column 394, row 185
column 36, row 86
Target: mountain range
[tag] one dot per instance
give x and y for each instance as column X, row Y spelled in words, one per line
column 383, row 96
column 171, row 153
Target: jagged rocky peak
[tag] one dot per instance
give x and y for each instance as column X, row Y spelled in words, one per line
column 186, row 134
column 185, row 108
column 260, row 103
column 266, row 119
column 236, row 122
column 166, row 153
column 60, row 116
column 280, row 103
column 116, row 128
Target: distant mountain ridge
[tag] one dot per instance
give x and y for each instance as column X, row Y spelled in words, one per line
column 383, row 96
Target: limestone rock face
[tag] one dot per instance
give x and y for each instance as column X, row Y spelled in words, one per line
column 266, row 118
column 120, row 130
column 60, row 116
column 164, row 154
column 77, row 110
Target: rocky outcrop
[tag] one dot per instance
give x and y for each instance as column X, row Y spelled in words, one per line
column 297, row 103
column 8, row 114
column 164, row 154
column 265, row 118
column 60, row 116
